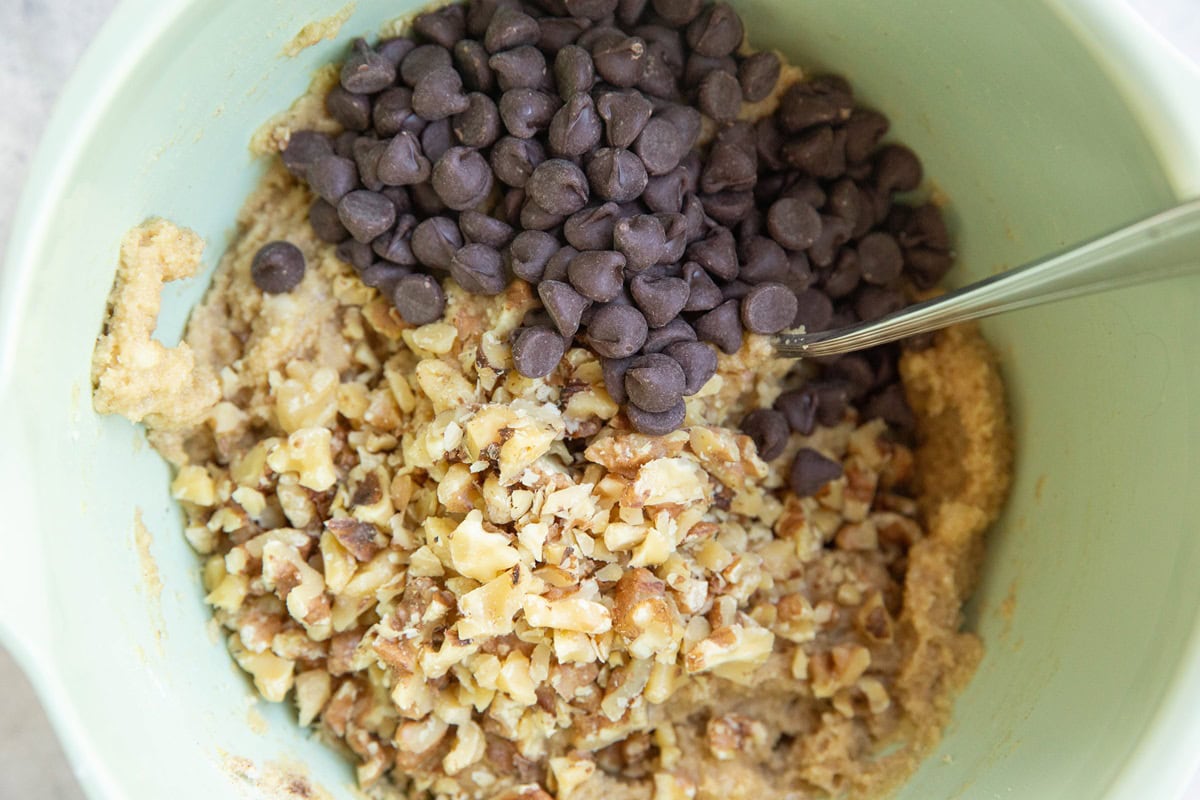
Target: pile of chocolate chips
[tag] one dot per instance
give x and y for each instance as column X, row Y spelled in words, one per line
column 557, row 142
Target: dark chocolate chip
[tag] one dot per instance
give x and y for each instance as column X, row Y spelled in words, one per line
column 720, row 96
column 758, row 75
column 807, row 104
column 366, row 214
column 514, row 159
column 395, row 245
column 630, row 11
column 811, row 471
column 462, row 178
column 527, row 111
column 717, row 253
column 703, row 294
column 343, row 144
column 425, row 199
column 597, row 274
column 435, row 241
column 660, row 145
column 675, row 237
column 832, row 401
column 729, row 168
column 686, row 120
column 892, row 407
column 657, row 80
column 559, row 32
column 664, row 193
column 820, row 152
column 576, row 128
column 564, row 304
column 419, row 299
column 769, row 430
column 673, row 332
column 481, row 228
column 926, row 266
column 641, row 239
column 722, row 326
column 592, row 228
column 422, row 60
column 728, row 207
column 677, row 13
column 617, row 331
column 277, row 267
column 735, row 290
column 814, row 310
column 768, row 308
column 403, row 163
column 366, row 71
column 439, row 94
column 536, row 218
column 471, row 60
column 520, row 68
column 620, row 61
column 699, row 363
column 537, row 351
column 616, row 174
column 302, row 151
column 556, row 267
column 529, row 252
column 323, row 218
column 855, row 371
column 654, row 382
column 793, row 223
column 716, row 32
column 558, row 186
column 657, row 424
column 383, row 276
column 574, row 72
column 875, row 302
column 445, row 25
column 864, row 129
column 395, row 48
column 897, row 169
column 332, row 177
column 510, row 28
column 436, row 138
column 392, row 111
column 879, row 258
column 359, row 255
column 763, row 260
column 613, row 370
column 478, row 126
column 479, row 269
column 625, row 114
column 799, row 409
column 594, row 10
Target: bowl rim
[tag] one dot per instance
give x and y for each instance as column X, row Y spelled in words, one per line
column 1158, row 84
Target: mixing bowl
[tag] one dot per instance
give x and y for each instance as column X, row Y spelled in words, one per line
column 1043, row 122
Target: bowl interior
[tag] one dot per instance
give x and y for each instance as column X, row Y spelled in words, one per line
column 1088, row 599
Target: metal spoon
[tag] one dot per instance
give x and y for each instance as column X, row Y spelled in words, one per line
column 1162, row 246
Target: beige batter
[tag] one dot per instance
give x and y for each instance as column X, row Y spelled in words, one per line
column 482, row 585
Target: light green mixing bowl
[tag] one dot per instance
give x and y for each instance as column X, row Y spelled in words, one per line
column 1044, row 123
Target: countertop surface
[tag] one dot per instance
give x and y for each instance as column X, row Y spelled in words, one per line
column 41, row 42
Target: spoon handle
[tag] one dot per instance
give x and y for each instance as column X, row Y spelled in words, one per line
column 1161, row 246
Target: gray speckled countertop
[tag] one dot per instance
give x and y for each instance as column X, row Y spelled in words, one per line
column 41, row 41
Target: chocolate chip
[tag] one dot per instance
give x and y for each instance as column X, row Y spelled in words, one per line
column 728, row 207
column 343, row 144
column 594, row 10
column 365, row 71
column 574, row 72
column 479, row 125
column 510, row 28
column 722, row 326
column 435, row 241
column 576, row 128
column 556, row 267
column 820, row 152
column 807, row 104
column 675, row 331
column 814, row 310
column 703, row 294
column 660, row 299
column 677, row 12
column 769, row 430
column 864, row 129
column 897, row 169
column 536, row 218
column 481, row 228
column 392, row 111
column 352, row 111
column 559, row 32
column 419, row 299
column 758, row 75
column 592, row 228
column 799, row 409
column 832, row 401
column 402, row 162
column 811, row 471
column 481, row 12
column 716, row 32
column 439, row 94
column 366, row 214
column 519, row 68
column 395, row 48
column 768, row 308
column 514, row 160
column 613, row 370
column 616, row 331
column 445, row 25
column 358, row 254
column 630, row 11
column 564, row 304
column 462, row 178
column 422, row 60
column 675, row 237
column 426, row 200
column 436, row 138
column 698, row 67
column 526, row 111
column 537, row 351
column 660, row 146
column 616, row 174
column 875, row 302
column 793, row 223
column 479, row 269
column 620, row 61
column 277, row 267
column 471, row 60
column 735, row 290
column 892, row 407
column 698, row 223
column 302, row 151
column 642, row 241
column 395, row 245
column 625, row 114
column 558, row 186
column 717, row 253
column 654, row 382
column 879, row 258
column 664, row 193
column 854, row 370
column 927, row 266
column 383, row 276
column 657, row 424
column 720, row 96
column 729, row 168
column 529, row 252
column 323, row 218
column 332, row 177
column 698, row 361
column 763, row 260
column 597, row 274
